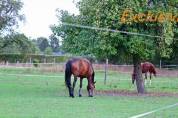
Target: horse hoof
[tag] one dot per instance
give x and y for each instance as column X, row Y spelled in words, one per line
column 80, row 95
column 90, row 96
column 72, row 96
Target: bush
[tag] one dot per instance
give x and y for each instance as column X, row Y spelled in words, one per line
column 35, row 62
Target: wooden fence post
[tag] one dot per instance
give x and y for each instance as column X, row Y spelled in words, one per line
column 106, row 69
column 44, row 60
column 160, row 64
column 54, row 60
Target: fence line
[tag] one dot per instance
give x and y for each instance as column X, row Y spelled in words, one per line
column 60, row 67
column 52, row 63
column 58, row 76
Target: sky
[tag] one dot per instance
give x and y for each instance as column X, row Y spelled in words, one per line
column 40, row 14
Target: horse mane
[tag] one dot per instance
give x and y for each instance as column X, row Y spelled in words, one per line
column 153, row 69
column 93, row 74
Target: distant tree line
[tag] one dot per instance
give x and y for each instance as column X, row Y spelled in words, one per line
column 48, row 46
column 12, row 42
column 16, row 43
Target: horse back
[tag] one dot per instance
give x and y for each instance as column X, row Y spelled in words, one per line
column 148, row 67
column 82, row 68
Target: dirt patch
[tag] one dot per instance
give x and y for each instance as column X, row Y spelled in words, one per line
column 133, row 93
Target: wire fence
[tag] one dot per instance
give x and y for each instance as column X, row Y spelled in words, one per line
column 112, row 30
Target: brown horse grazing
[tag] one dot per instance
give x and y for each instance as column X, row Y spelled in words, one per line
column 146, row 67
column 82, row 68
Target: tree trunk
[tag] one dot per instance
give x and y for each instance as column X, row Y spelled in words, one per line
column 138, row 74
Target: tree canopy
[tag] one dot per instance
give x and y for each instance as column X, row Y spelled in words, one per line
column 107, row 14
column 54, row 43
column 158, row 36
column 10, row 13
column 42, row 43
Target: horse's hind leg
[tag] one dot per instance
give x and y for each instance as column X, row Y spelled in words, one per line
column 80, row 94
column 68, row 84
column 74, row 83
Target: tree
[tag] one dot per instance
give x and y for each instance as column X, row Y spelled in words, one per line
column 107, row 14
column 9, row 17
column 48, row 51
column 10, row 13
column 75, row 40
column 54, row 43
column 36, row 48
column 42, row 43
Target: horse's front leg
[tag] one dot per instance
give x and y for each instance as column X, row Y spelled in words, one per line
column 89, row 87
column 80, row 89
column 145, row 78
column 150, row 79
column 74, row 83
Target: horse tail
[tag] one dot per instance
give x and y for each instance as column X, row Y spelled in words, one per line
column 68, row 73
column 93, row 76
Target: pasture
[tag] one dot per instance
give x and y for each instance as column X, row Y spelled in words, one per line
column 31, row 93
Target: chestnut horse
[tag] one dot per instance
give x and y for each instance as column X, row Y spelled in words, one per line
column 146, row 67
column 82, row 68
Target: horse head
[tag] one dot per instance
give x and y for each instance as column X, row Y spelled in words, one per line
column 91, row 87
column 93, row 79
column 154, row 71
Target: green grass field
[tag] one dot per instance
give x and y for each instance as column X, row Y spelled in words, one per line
column 45, row 96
